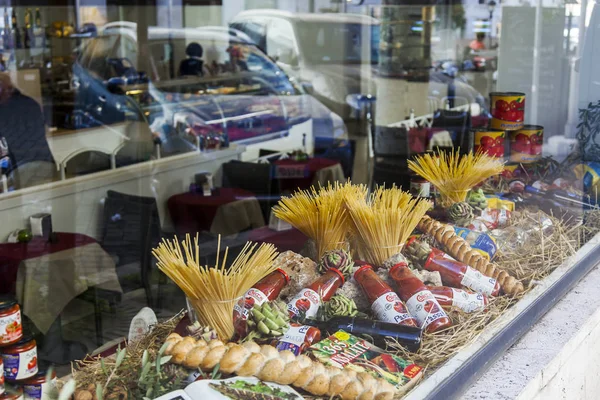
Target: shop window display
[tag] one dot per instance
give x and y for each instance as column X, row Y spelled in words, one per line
column 293, row 198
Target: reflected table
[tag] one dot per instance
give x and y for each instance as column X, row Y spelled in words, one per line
column 294, row 175
column 227, row 211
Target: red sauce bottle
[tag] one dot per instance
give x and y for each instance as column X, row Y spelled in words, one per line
column 298, row 338
column 462, row 299
column 309, row 299
column 419, row 300
column 457, row 274
column 267, row 289
column 385, row 303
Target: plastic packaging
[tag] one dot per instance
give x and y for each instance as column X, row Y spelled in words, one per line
column 479, row 241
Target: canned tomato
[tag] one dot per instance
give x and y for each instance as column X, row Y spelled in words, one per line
column 508, row 110
column 490, row 141
column 526, row 144
column 512, row 170
column 419, row 187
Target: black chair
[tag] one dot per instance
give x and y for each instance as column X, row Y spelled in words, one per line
column 256, row 178
column 391, row 151
column 131, row 228
column 458, row 123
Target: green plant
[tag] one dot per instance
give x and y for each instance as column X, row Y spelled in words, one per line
column 588, row 132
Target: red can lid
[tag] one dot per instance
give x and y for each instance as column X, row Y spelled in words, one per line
column 337, row 271
column 285, row 275
column 366, row 266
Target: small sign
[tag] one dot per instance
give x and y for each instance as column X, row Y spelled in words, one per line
column 294, row 171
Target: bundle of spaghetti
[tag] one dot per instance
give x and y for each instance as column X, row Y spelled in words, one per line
column 321, row 214
column 454, row 175
column 382, row 223
column 214, row 290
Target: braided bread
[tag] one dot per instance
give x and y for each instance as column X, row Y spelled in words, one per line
column 460, row 249
column 268, row 364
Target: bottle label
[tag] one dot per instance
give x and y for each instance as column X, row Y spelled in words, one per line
column 307, row 301
column 425, row 308
column 10, row 328
column 478, row 282
column 389, row 308
column 467, row 301
column 21, row 365
column 1, row 376
column 293, row 339
column 251, row 298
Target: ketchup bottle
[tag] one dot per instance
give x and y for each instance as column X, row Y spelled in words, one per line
column 420, row 302
column 267, row 289
column 385, row 303
column 309, row 299
column 457, row 274
column 462, row 299
column 298, row 338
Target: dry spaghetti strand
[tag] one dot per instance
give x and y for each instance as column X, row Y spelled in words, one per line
column 382, row 223
column 454, row 175
column 320, row 214
column 213, row 291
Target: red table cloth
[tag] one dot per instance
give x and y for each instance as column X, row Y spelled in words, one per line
column 11, row 254
column 193, row 212
column 288, row 167
column 291, row 239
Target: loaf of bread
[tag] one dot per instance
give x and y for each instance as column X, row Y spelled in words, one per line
column 268, row 364
column 461, row 250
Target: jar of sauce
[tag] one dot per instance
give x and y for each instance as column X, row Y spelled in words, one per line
column 385, row 303
column 419, row 300
column 464, row 300
column 267, row 289
column 1, row 376
column 298, row 338
column 39, row 386
column 309, row 299
column 11, row 329
column 457, row 274
column 20, row 359
column 12, row 393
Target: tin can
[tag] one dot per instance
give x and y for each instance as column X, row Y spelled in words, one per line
column 526, row 144
column 508, row 110
column 512, row 170
column 489, row 141
column 420, row 187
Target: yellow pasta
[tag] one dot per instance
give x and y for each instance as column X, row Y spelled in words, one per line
column 320, row 214
column 454, row 175
column 382, row 223
column 214, row 290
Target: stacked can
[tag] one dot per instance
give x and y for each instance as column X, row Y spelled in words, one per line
column 508, row 110
column 489, row 141
column 526, row 144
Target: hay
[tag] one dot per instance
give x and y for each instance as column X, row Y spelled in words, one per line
column 89, row 372
column 544, row 251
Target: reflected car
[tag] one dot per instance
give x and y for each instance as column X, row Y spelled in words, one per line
column 337, row 54
column 237, row 94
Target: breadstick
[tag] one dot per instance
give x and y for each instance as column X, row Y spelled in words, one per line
column 268, row 364
column 460, row 249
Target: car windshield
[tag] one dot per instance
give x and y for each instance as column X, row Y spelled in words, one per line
column 338, row 43
column 224, row 68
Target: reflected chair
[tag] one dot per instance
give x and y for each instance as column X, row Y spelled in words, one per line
column 391, row 151
column 255, row 178
column 36, row 173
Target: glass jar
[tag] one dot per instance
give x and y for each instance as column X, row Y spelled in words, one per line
column 11, row 329
column 12, row 393
column 385, row 304
column 1, row 376
column 309, row 299
column 39, row 386
column 20, row 359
